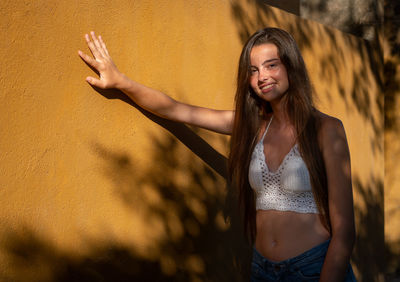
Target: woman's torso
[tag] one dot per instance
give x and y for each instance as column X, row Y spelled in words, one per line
column 284, row 234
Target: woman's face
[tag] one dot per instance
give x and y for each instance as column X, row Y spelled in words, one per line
column 268, row 74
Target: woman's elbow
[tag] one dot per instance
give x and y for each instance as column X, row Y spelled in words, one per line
column 347, row 235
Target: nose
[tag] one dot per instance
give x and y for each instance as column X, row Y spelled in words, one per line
column 263, row 75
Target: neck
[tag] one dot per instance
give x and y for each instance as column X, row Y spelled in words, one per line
column 280, row 114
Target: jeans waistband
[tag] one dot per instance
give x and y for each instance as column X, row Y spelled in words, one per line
column 308, row 256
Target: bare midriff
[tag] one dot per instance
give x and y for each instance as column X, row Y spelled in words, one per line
column 285, row 234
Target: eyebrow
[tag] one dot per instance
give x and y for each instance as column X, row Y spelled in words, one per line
column 268, row 61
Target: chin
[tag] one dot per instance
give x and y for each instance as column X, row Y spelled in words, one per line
column 269, row 97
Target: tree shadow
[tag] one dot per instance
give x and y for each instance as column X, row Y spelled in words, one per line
column 191, row 211
column 370, row 232
column 195, row 242
column 372, row 254
column 197, row 212
column 392, row 61
column 182, row 198
column 392, row 125
column 27, row 253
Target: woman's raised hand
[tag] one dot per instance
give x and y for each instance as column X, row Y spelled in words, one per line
column 110, row 76
column 150, row 99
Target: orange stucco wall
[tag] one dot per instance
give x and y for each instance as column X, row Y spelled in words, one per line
column 91, row 185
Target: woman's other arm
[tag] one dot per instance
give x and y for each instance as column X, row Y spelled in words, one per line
column 337, row 162
column 150, row 99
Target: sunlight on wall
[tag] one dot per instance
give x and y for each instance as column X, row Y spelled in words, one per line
column 93, row 187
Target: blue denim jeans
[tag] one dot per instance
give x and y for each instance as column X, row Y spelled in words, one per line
column 304, row 267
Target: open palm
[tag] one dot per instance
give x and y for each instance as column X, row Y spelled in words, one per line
column 102, row 62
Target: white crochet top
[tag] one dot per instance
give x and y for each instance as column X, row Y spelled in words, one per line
column 288, row 188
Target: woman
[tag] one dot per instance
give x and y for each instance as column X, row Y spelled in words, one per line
column 289, row 162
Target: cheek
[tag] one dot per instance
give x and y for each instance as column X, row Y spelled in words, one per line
column 254, row 83
column 284, row 76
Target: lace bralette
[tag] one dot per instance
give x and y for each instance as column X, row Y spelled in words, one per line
column 286, row 189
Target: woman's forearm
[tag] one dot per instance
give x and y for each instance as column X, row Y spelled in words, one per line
column 148, row 98
column 337, row 259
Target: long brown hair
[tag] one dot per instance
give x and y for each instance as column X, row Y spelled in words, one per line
column 249, row 115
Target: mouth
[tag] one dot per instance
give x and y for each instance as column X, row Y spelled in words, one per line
column 267, row 87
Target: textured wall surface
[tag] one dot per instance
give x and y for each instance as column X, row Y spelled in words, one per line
column 392, row 133
column 362, row 18
column 92, row 187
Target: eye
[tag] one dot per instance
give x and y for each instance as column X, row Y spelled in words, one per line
column 253, row 70
column 272, row 66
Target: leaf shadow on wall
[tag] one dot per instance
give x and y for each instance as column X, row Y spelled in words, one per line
column 195, row 244
column 392, row 126
column 370, row 234
column 182, row 200
column 32, row 258
column 195, row 199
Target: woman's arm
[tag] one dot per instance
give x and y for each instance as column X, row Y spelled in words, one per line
column 337, row 162
column 150, row 99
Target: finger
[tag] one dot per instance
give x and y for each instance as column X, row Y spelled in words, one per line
column 97, row 43
column 92, row 47
column 103, row 45
column 95, row 82
column 89, row 60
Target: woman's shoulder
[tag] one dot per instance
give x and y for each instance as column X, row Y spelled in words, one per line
column 327, row 122
column 330, row 129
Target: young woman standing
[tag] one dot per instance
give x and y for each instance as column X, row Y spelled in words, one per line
column 289, row 162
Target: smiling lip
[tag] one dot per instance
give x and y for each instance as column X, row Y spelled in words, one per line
column 267, row 87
